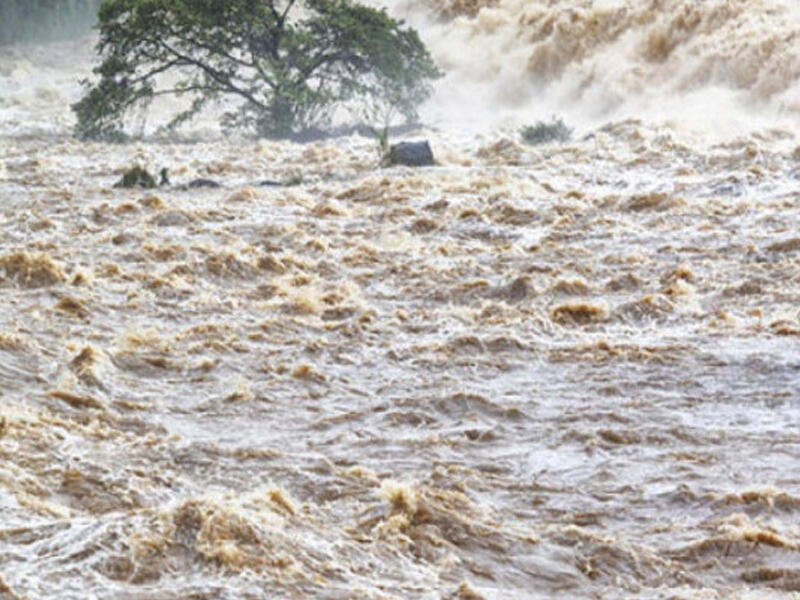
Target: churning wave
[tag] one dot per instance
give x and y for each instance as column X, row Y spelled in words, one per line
column 605, row 59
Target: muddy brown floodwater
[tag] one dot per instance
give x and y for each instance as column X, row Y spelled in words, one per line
column 567, row 371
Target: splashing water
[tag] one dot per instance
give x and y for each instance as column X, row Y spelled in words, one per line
column 722, row 64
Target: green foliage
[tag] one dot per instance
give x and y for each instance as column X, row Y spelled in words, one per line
column 542, row 133
column 290, row 65
column 29, row 20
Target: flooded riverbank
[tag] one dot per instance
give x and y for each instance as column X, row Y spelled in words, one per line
column 528, row 372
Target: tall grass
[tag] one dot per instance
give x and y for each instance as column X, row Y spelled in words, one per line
column 41, row 20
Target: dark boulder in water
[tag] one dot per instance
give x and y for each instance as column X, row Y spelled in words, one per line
column 203, row 183
column 410, row 154
column 136, row 177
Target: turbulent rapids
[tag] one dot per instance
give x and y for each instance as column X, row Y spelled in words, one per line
column 561, row 371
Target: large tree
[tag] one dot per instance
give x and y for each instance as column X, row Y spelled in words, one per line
column 289, row 65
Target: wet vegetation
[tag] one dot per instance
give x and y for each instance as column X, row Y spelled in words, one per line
column 288, row 67
column 136, row 177
column 543, row 132
column 37, row 20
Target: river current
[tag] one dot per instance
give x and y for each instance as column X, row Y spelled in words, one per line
column 557, row 371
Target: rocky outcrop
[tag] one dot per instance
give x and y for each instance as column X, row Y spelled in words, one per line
column 410, row 154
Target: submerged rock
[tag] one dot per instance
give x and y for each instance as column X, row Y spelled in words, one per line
column 411, row 154
column 136, row 177
column 203, row 183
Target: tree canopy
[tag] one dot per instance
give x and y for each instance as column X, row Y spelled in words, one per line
column 290, row 65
